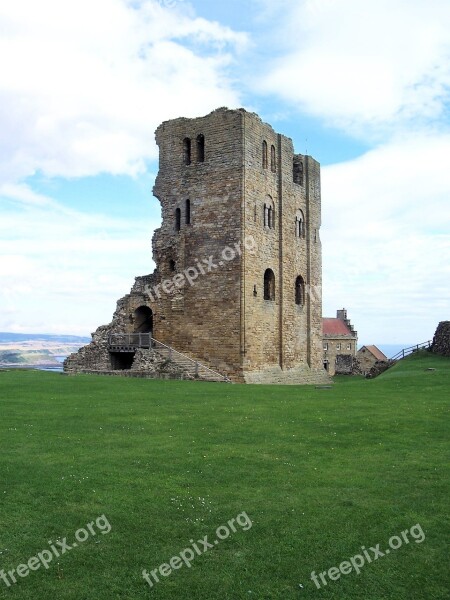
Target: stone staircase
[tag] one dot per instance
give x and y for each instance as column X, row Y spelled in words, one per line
column 130, row 342
column 192, row 367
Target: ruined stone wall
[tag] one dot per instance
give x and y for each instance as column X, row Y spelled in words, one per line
column 346, row 364
column 441, row 339
column 95, row 356
column 378, row 367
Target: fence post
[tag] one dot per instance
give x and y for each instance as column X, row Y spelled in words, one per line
column 170, row 353
column 196, row 368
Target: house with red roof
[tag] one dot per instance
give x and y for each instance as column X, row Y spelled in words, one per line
column 339, row 338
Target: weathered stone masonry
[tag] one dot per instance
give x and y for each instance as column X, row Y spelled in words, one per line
column 234, row 195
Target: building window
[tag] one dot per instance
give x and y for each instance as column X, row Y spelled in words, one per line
column 325, row 345
column 349, row 346
column 269, row 285
column 271, row 217
column 338, row 346
column 297, row 173
column 187, row 151
column 299, row 224
column 325, row 365
column 172, row 265
column 200, row 148
column 177, row 219
column 273, row 164
column 265, row 161
column 299, row 291
column 188, row 212
column 269, row 213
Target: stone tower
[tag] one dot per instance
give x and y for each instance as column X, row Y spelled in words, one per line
column 237, row 283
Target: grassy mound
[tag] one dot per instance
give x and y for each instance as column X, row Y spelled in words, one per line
column 319, row 472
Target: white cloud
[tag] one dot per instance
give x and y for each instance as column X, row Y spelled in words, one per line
column 366, row 64
column 385, row 239
column 61, row 271
column 83, row 84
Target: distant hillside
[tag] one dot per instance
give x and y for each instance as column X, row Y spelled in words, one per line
column 31, row 358
column 6, row 337
column 37, row 349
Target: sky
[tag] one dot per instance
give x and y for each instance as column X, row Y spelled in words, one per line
column 363, row 87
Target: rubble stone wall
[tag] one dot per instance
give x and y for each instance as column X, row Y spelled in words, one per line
column 346, row 364
column 441, row 339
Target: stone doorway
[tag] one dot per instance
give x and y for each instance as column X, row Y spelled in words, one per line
column 121, row 361
column 143, row 320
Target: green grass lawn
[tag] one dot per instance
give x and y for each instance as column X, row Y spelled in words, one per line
column 319, row 472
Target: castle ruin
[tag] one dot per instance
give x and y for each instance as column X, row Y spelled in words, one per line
column 237, row 284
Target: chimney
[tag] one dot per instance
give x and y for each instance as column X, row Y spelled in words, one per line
column 342, row 314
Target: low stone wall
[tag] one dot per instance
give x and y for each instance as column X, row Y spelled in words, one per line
column 346, row 364
column 136, row 374
column 297, row 376
column 441, row 339
column 379, row 367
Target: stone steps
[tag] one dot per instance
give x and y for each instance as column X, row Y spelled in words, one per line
column 199, row 371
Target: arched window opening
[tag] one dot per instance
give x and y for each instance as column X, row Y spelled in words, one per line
column 269, row 213
column 177, row 219
column 299, row 291
column 273, row 164
column 143, row 320
column 300, row 224
column 188, row 212
column 201, row 148
column 298, row 171
column 265, row 160
column 172, row 265
column 271, row 218
column 269, row 285
column 187, row 151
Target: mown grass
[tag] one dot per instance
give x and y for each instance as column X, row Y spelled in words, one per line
column 320, row 473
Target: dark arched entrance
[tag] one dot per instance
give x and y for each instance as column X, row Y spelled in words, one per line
column 143, row 320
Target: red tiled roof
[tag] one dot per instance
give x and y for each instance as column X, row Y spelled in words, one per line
column 376, row 352
column 335, row 327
